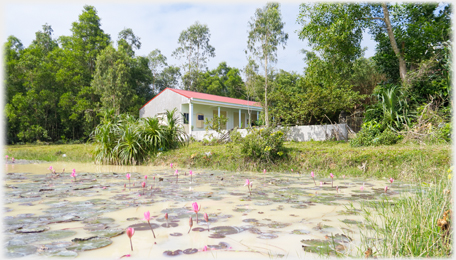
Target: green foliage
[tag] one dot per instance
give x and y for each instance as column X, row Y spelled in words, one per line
column 216, row 123
column 444, row 132
column 195, row 50
column 373, row 133
column 122, row 139
column 263, row 144
column 407, row 227
column 266, row 33
column 223, row 81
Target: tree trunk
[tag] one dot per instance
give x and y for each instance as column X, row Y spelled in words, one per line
column 402, row 67
column 266, row 117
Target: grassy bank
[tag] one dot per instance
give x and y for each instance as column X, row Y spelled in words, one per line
column 408, row 162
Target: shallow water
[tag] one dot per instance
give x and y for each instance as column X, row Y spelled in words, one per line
column 43, row 214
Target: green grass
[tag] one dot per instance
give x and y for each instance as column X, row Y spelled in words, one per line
column 407, row 227
column 408, row 162
column 51, row 153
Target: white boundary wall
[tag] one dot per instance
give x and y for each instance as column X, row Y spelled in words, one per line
column 296, row 133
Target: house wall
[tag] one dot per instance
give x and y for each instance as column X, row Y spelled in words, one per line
column 168, row 100
column 208, row 113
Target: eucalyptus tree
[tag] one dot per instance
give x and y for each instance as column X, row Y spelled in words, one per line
column 156, row 62
column 111, row 79
column 266, row 33
column 129, row 41
column 196, row 50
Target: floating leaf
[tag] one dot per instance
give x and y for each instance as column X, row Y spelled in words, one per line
column 90, row 244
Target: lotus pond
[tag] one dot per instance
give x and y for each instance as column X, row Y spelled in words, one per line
column 86, row 216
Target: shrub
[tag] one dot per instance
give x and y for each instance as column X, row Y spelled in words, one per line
column 444, row 132
column 373, row 133
column 265, row 144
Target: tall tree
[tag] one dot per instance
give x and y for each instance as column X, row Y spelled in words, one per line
column 111, row 79
column 196, row 50
column 129, row 41
column 157, row 61
column 168, row 78
column 266, row 33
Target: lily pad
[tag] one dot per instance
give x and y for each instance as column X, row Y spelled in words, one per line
column 94, row 243
column 108, row 232
column 216, row 235
column 227, row 230
column 144, row 226
column 351, row 221
column 32, row 229
column 221, row 245
column 299, row 206
column 20, row 250
column 169, row 225
column 190, row 251
column 199, row 229
column 267, row 236
column 176, row 234
column 172, row 253
column 300, row 232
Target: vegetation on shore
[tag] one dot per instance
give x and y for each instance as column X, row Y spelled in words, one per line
column 408, row 162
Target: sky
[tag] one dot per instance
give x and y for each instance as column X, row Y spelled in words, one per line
column 159, row 24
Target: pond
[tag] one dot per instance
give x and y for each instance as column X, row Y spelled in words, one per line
column 286, row 214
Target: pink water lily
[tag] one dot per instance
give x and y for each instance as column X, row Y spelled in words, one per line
column 362, row 187
column 313, row 177
column 171, row 165
column 386, row 189
column 321, row 184
column 391, row 180
column 147, row 218
column 166, row 217
column 204, row 248
column 12, row 160
column 6, row 156
column 128, row 178
column 144, row 186
column 191, row 175
column 249, row 185
column 343, row 176
column 50, row 168
column 332, row 178
column 130, row 233
column 196, row 209
column 73, row 174
column 145, row 177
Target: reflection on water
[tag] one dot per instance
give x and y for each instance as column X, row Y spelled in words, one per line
column 286, row 214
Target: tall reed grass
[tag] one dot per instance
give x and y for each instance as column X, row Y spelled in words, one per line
column 125, row 140
column 407, row 226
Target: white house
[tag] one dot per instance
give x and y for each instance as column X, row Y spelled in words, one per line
column 195, row 107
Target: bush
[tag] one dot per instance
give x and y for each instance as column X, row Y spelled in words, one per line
column 265, row 144
column 373, row 133
column 444, row 132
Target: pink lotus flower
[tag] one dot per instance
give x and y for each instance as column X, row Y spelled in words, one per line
column 171, row 165
column 145, row 177
column 204, row 248
column 391, row 180
column 143, row 184
column 249, row 185
column 313, row 175
column 147, row 217
column 190, row 172
column 130, row 233
column 166, row 217
column 196, row 209
column 73, row 174
column 129, row 183
column 50, row 168
column 6, row 156
column 386, row 189
column 104, row 188
column 321, row 184
column 12, row 160
column 362, row 187
column 291, row 170
column 191, row 175
column 264, row 170
column 332, row 178
column 343, row 176
column 125, row 185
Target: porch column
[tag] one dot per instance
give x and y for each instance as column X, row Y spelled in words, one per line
column 258, row 115
column 190, row 115
column 218, row 111
column 239, row 119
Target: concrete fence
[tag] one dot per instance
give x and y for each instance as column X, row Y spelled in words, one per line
column 297, row 133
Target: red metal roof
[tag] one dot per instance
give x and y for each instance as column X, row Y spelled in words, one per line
column 198, row 95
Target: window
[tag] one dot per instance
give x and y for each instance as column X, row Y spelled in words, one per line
column 185, row 118
column 201, row 117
